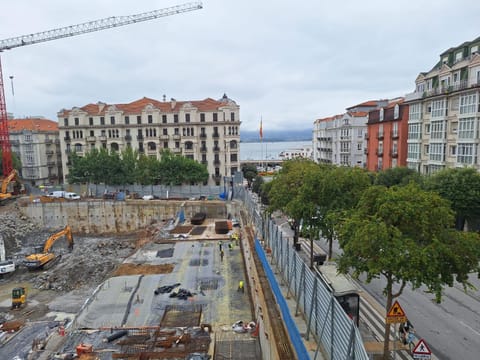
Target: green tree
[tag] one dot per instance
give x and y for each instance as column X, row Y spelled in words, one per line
column 178, row 170
column 249, row 173
column 397, row 176
column 129, row 165
column 16, row 162
column 462, row 188
column 148, row 170
column 285, row 191
column 330, row 191
column 405, row 235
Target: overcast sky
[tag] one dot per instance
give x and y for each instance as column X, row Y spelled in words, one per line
column 288, row 62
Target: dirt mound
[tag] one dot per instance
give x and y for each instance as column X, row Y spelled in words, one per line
column 139, row 269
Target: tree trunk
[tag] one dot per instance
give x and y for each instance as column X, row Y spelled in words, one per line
column 386, row 342
column 330, row 247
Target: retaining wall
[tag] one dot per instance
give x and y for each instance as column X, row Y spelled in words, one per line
column 103, row 216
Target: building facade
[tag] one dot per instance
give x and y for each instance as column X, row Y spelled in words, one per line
column 340, row 139
column 444, row 112
column 35, row 141
column 387, row 131
column 207, row 131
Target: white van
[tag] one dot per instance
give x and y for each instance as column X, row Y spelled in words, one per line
column 71, row 196
column 64, row 194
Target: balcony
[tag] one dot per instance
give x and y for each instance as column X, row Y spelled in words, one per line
column 176, row 137
column 164, row 137
column 203, row 136
column 394, row 154
column 67, row 138
column 188, row 150
column 380, row 136
column 216, row 149
column 216, row 135
column 216, row 162
column 365, row 151
column 128, row 137
column 102, row 138
column 177, row 150
column 48, row 141
column 91, row 138
column 216, row 177
column 15, row 142
column 205, row 162
column 203, row 149
column 51, row 163
column 49, row 152
column 379, row 152
column 139, row 137
column 394, row 134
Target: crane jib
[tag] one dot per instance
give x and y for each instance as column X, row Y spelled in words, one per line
column 96, row 25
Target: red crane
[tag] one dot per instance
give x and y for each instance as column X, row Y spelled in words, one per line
column 68, row 31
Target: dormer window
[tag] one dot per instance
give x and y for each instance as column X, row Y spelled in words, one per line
column 396, row 111
column 381, row 114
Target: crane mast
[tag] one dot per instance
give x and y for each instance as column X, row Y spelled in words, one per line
column 68, row 31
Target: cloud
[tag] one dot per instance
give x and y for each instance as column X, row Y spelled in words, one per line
column 282, row 60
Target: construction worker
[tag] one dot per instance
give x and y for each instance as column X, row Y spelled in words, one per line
column 240, row 286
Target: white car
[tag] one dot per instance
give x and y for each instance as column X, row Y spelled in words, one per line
column 147, row 197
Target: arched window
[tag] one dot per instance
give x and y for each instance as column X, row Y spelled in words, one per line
column 151, row 146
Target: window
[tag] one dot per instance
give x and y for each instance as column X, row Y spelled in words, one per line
column 165, row 131
column 139, row 119
column 439, row 108
column 427, row 129
column 112, row 120
column 150, row 119
column 233, row 157
column 165, row 144
column 468, row 103
column 202, row 117
column 175, row 118
column 92, row 133
column 396, row 111
column 359, row 146
column 474, row 49
column 65, row 122
column 77, row 121
column 164, row 119
column 381, row 115
column 437, row 130
column 187, row 118
column 176, row 131
column 177, row 144
column 466, row 128
column 465, row 153
column 413, row 152
column 102, row 120
column 453, row 150
column 395, row 129
column 127, row 120
column 215, row 117
column 90, row 121
column 458, row 56
column 415, row 131
column 437, row 152
column 415, row 112
column 232, row 116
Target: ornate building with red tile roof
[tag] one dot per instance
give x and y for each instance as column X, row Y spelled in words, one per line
column 36, row 143
column 207, row 131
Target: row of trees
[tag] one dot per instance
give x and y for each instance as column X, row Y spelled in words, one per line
column 17, row 164
column 396, row 224
column 130, row 167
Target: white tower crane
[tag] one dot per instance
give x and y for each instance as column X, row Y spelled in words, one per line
column 69, row 31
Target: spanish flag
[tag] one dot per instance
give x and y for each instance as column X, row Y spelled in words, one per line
column 261, row 130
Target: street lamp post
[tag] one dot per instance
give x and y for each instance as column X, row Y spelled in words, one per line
column 311, row 241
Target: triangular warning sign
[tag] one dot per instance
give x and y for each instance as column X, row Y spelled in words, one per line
column 422, row 348
column 396, row 310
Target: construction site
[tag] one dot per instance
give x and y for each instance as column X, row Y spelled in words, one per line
column 178, row 288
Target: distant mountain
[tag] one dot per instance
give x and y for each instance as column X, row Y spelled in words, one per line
column 277, row 135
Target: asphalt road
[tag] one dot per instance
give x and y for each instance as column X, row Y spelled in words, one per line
column 451, row 329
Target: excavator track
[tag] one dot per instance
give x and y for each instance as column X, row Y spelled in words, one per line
column 51, row 263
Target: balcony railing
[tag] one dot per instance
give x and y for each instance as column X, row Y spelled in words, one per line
column 203, row 135
column 204, row 162
column 379, row 152
column 67, row 138
column 380, row 136
column 216, row 135
column 216, row 162
column 139, row 137
column 176, row 137
column 203, row 149
column 91, row 138
column 177, row 150
column 216, row 148
column 102, row 138
column 394, row 134
column 128, row 137
column 164, row 137
column 394, row 153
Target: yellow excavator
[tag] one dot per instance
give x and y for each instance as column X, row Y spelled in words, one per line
column 47, row 258
column 19, row 297
column 5, row 192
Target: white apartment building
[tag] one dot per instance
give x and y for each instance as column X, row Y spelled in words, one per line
column 443, row 125
column 341, row 139
column 36, row 143
column 207, row 131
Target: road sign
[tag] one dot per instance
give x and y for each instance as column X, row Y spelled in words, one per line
column 396, row 314
column 422, row 351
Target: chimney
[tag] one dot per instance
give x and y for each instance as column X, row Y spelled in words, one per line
column 173, row 102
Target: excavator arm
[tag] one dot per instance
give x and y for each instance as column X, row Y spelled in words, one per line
column 67, row 232
column 13, row 175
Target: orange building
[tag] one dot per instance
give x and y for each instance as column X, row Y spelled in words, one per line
column 387, row 130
